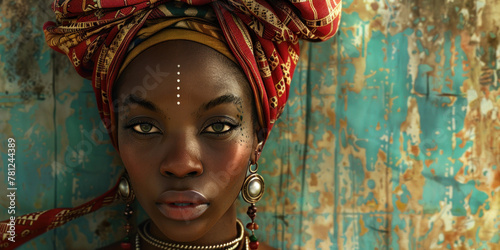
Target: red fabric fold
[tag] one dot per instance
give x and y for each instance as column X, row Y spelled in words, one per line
column 31, row 225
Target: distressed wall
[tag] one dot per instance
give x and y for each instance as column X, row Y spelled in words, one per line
column 391, row 139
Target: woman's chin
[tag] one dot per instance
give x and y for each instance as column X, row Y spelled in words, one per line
column 179, row 231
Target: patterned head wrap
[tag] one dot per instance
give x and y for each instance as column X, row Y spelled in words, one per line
column 262, row 36
column 102, row 37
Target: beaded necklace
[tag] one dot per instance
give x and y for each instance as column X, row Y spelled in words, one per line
column 144, row 234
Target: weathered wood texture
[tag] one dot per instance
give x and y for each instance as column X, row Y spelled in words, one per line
column 391, row 139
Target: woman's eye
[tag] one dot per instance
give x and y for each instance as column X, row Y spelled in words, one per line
column 218, row 128
column 145, row 128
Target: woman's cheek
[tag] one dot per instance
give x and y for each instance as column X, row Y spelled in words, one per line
column 232, row 166
column 136, row 166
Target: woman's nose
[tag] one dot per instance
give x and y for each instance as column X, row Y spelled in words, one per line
column 181, row 158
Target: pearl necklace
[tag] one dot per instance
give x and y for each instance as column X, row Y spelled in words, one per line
column 143, row 233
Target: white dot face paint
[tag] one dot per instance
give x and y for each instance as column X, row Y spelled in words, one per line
column 178, row 81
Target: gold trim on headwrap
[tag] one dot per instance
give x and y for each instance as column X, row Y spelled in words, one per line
column 185, row 28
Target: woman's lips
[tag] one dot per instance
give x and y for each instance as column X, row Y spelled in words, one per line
column 182, row 205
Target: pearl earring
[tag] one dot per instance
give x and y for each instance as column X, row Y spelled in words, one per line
column 253, row 186
column 127, row 195
column 252, row 191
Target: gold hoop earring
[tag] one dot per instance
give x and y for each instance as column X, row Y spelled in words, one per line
column 127, row 195
column 252, row 191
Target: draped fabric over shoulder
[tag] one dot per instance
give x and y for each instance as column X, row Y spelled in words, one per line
column 261, row 36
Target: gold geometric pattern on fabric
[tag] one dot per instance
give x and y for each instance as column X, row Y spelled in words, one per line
column 327, row 19
column 99, row 14
column 108, row 53
column 91, row 7
column 69, row 214
column 264, row 69
column 104, row 96
column 285, row 68
column 280, row 87
column 99, row 69
column 93, row 46
column 119, row 14
column 22, row 220
column 256, row 10
column 288, row 34
column 273, row 102
column 293, row 55
column 75, row 60
column 241, row 7
column 94, row 4
column 120, row 36
column 66, row 42
column 274, row 59
column 257, row 27
column 246, row 36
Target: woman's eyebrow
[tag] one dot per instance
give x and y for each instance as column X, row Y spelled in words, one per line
column 133, row 99
column 227, row 98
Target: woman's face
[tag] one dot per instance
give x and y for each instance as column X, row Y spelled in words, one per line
column 186, row 136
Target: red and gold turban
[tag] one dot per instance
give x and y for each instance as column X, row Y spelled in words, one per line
column 101, row 37
column 262, row 36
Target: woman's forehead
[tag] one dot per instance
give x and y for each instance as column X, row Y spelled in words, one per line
column 181, row 70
